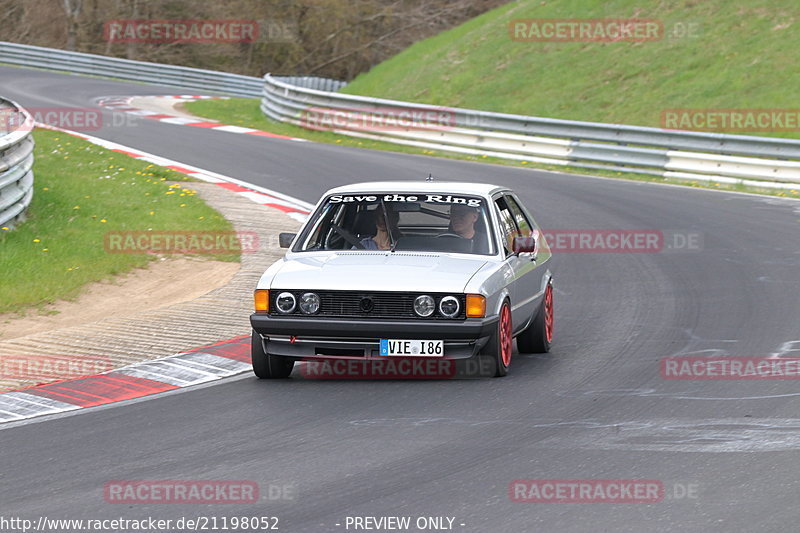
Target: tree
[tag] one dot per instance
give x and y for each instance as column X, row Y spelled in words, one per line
column 72, row 10
column 330, row 38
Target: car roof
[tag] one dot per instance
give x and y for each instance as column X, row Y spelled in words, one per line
column 408, row 186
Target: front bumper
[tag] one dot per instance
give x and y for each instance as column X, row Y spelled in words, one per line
column 315, row 337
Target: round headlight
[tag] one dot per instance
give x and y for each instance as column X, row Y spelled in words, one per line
column 449, row 306
column 309, row 303
column 424, row 305
column 286, row 302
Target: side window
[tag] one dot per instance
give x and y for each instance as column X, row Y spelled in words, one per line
column 524, row 225
column 507, row 224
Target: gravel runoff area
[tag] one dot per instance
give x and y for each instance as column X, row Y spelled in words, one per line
column 118, row 341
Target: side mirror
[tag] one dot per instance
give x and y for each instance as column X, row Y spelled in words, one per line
column 524, row 245
column 285, row 239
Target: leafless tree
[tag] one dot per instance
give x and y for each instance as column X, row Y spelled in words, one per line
column 72, row 12
column 333, row 38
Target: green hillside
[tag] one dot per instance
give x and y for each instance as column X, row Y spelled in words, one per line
column 713, row 54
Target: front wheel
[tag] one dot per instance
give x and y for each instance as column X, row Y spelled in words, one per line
column 499, row 347
column 538, row 336
column 267, row 366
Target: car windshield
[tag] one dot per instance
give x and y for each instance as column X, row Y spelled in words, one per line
column 399, row 221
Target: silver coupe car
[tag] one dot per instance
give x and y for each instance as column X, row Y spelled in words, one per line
column 407, row 270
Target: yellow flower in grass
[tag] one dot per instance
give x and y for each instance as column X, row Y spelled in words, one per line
column 76, row 207
column 103, row 220
column 36, row 240
column 44, row 249
column 170, row 192
column 152, row 212
column 6, row 228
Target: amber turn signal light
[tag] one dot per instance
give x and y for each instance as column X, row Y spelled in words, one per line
column 261, row 298
column 476, row 306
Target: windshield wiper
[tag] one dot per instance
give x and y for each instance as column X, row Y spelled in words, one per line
column 388, row 226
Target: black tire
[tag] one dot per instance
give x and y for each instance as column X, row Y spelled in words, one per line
column 537, row 337
column 267, row 366
column 500, row 345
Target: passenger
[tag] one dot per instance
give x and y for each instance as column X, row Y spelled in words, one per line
column 381, row 240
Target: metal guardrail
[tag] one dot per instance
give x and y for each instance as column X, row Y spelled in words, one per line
column 16, row 162
column 312, row 103
column 618, row 147
column 129, row 70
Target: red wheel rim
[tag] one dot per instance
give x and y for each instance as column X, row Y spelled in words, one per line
column 505, row 335
column 548, row 313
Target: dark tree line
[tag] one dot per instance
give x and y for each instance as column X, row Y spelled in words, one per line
column 331, row 38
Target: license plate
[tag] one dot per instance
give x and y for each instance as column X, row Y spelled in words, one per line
column 412, row 348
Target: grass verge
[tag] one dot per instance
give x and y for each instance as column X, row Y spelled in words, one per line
column 710, row 54
column 82, row 193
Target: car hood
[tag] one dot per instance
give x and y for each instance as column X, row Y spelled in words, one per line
column 378, row 271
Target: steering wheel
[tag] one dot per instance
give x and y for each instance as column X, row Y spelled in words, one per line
column 349, row 237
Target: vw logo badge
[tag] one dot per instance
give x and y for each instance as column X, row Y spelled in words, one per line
column 366, row 304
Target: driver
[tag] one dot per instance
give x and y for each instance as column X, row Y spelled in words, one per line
column 462, row 220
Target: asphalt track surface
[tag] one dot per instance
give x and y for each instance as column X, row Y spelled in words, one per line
column 594, row 408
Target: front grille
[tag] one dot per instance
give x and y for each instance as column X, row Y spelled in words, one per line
column 347, row 304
